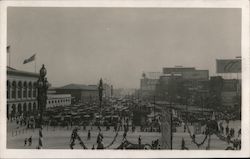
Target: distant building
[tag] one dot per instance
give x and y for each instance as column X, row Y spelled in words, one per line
column 107, row 90
column 79, row 92
column 189, row 82
column 177, row 69
column 54, row 100
column 188, row 73
column 225, row 93
column 231, row 91
column 148, row 84
column 21, row 92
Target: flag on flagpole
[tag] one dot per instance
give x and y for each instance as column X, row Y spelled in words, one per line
column 32, row 58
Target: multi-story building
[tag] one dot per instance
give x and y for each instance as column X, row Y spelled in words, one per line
column 21, row 92
column 148, row 84
column 194, row 82
column 54, row 100
column 231, row 92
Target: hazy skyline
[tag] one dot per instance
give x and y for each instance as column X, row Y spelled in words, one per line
column 81, row 45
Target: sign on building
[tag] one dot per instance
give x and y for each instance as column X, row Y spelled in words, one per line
column 166, row 129
column 228, row 66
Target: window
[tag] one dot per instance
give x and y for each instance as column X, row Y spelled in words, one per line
column 34, row 107
column 24, row 107
column 30, row 107
column 25, row 90
column 14, row 89
column 19, row 91
column 30, row 90
column 34, row 90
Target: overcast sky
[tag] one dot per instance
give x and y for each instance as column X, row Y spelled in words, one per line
column 81, row 45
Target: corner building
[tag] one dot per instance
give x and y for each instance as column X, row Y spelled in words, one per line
column 21, row 92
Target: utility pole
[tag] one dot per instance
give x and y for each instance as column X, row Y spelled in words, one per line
column 171, row 123
column 154, row 108
column 100, row 89
column 171, row 115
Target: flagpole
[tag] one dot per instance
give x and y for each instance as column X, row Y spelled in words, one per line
column 35, row 65
column 9, row 59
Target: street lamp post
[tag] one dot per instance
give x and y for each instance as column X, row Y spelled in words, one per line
column 42, row 86
column 100, row 89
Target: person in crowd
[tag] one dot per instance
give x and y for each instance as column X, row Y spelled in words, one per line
column 235, row 144
column 227, row 130
column 239, row 132
column 185, row 128
column 183, row 144
column 30, row 141
column 124, row 135
column 89, row 135
column 93, row 147
column 139, row 140
column 228, row 139
column 193, row 137
column 231, row 132
column 25, row 141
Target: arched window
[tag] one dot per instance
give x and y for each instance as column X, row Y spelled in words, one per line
column 34, row 106
column 8, row 89
column 24, row 107
column 14, row 89
column 34, row 90
column 19, row 90
column 30, row 90
column 29, row 107
column 25, row 90
column 13, row 112
column 19, row 109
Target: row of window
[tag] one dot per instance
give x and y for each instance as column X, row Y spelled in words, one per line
column 20, row 90
column 19, row 108
column 58, row 101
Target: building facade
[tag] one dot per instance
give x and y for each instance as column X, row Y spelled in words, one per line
column 79, row 93
column 231, row 91
column 183, row 82
column 55, row 100
column 21, row 92
column 148, row 84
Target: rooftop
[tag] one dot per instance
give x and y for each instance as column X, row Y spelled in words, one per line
column 79, row 87
column 11, row 70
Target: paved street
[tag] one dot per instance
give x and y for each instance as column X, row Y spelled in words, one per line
column 59, row 138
